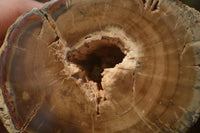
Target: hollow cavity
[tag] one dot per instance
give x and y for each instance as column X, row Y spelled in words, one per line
column 99, row 55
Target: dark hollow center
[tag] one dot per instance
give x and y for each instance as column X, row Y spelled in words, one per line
column 106, row 56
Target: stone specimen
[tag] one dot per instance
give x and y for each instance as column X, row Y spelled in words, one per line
column 102, row 66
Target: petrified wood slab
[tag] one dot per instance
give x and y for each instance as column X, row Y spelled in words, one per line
column 102, row 66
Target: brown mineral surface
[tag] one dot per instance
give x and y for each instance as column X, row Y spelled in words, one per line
column 102, row 66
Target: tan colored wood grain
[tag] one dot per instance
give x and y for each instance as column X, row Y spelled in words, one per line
column 87, row 66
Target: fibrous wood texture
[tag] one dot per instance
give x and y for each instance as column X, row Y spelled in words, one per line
column 102, row 66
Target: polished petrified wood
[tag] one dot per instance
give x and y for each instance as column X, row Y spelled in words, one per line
column 102, row 66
